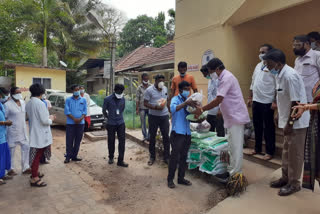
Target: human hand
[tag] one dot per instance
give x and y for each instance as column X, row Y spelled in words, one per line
column 274, row 106
column 298, row 111
column 219, row 114
column 197, row 112
column 8, row 123
column 249, row 102
column 191, row 103
column 76, row 120
column 52, row 117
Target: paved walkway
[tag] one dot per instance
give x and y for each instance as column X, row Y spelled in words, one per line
column 66, row 193
column 261, row 199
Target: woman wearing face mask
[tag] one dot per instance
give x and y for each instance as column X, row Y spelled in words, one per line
column 5, row 157
column 17, row 133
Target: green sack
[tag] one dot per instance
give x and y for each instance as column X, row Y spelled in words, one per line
column 191, row 117
column 193, row 166
column 202, row 135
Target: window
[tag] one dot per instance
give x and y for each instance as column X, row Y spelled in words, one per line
column 46, row 82
column 53, row 99
column 60, row 102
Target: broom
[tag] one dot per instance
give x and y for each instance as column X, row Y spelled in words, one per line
column 237, row 183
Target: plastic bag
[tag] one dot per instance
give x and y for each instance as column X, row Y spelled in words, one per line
column 203, row 127
column 198, row 97
column 192, row 117
column 198, row 135
column 162, row 102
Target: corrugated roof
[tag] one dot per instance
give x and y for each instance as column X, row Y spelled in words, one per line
column 131, row 61
column 92, row 63
column 165, row 53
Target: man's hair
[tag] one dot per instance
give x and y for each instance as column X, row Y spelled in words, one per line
column 13, row 90
column 204, row 69
column 119, row 87
column 37, row 90
column 182, row 65
column 276, row 55
column 81, row 86
column 144, row 75
column 270, row 47
column 314, row 35
column 4, row 91
column 215, row 63
column 74, row 86
column 183, row 84
column 302, row 38
column 159, row 76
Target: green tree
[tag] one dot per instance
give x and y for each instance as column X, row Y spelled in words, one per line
column 170, row 26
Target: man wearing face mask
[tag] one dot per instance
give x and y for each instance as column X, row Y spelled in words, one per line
column 140, row 108
column 290, row 90
column 307, row 63
column 234, row 112
column 75, row 109
column 214, row 115
column 87, row 97
column 315, row 40
column 155, row 99
column 182, row 76
column 262, row 100
column 17, row 133
column 113, row 108
column 180, row 138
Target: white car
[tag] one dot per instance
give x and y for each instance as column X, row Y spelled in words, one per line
column 58, row 102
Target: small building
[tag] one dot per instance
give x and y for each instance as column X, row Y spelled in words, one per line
column 27, row 74
column 234, row 30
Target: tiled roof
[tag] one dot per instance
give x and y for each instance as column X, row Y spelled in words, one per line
column 132, row 59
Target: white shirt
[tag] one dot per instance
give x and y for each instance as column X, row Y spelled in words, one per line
column 17, row 132
column 290, row 88
column 308, row 66
column 212, row 94
column 87, row 97
column 39, row 123
column 263, row 84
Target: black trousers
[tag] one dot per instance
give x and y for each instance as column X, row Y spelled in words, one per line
column 216, row 123
column 264, row 126
column 121, row 133
column 74, row 134
column 180, row 146
column 161, row 122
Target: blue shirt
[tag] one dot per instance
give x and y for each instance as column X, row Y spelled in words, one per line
column 179, row 122
column 3, row 129
column 75, row 107
column 115, row 108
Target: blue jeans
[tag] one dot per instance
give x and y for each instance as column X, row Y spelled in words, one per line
column 145, row 132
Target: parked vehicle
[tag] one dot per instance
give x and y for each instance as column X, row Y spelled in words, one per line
column 50, row 91
column 58, row 102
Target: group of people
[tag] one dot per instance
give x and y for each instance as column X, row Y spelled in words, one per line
column 294, row 93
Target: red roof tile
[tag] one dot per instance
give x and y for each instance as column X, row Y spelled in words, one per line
column 165, row 53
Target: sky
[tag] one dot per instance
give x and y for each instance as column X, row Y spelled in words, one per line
column 134, row 8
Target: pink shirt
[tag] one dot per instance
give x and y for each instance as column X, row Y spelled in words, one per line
column 233, row 107
column 308, row 66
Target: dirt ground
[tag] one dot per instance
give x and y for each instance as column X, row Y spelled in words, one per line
column 141, row 189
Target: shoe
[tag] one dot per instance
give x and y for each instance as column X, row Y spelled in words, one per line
column 27, row 172
column 278, row 183
column 67, row 160
column 171, row 185
column 12, row 173
column 184, row 182
column 151, row 161
column 288, row 190
column 76, row 159
column 122, row 164
column 111, row 161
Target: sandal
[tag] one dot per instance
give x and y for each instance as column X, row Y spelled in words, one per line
column 7, row 177
column 2, row 182
column 267, row 157
column 38, row 183
column 39, row 175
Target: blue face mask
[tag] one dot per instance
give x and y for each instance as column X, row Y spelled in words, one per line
column 76, row 93
column 274, row 71
column 185, row 94
column 182, row 75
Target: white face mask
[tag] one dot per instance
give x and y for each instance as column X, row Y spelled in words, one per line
column 145, row 82
column 261, row 56
column 313, row 45
column 82, row 91
column 43, row 96
column 160, row 85
column 17, row 96
column 214, row 76
column 119, row 96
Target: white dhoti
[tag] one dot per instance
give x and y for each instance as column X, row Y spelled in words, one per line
column 235, row 144
column 24, row 147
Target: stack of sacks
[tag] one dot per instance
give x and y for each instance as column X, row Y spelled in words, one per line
column 205, row 150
